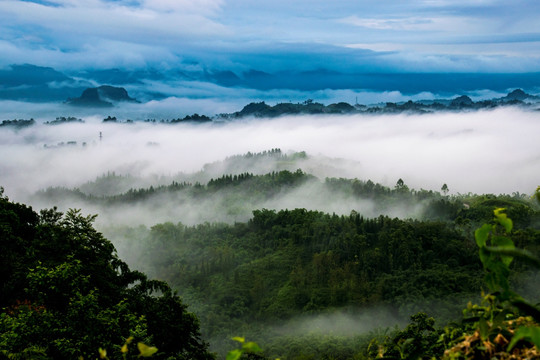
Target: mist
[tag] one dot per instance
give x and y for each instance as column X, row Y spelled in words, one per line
column 495, row 151
column 482, row 152
column 226, row 206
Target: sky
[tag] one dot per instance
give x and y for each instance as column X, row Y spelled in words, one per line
column 188, row 43
column 348, row 36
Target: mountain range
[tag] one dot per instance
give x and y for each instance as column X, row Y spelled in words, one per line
column 102, row 96
column 463, row 102
column 106, row 96
column 27, row 82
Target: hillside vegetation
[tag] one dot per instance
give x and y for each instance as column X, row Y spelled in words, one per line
column 65, row 293
column 303, row 283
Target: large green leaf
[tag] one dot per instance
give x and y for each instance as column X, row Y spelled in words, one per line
column 504, row 242
column 145, row 350
column 481, row 235
column 531, row 334
column 234, row 354
column 485, row 256
column 527, row 308
column 503, row 219
column 483, row 327
column 251, row 347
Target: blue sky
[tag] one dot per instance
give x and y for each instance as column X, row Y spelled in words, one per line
column 238, row 35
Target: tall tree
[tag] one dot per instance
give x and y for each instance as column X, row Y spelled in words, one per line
column 65, row 293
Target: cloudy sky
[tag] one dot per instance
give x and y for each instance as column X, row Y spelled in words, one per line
column 499, row 40
column 342, row 35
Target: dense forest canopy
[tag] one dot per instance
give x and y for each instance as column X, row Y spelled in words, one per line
column 289, row 263
column 301, row 281
column 395, row 216
column 232, row 197
column 65, row 293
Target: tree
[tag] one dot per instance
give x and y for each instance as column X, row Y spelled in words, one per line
column 444, row 189
column 401, row 187
column 65, row 293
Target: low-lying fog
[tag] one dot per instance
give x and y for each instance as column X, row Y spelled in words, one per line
column 481, row 152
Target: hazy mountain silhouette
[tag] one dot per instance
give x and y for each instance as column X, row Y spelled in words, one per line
column 103, row 96
column 37, row 83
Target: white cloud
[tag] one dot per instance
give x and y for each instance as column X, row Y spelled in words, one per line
column 463, row 3
column 206, row 7
column 484, row 152
column 81, row 20
column 387, row 24
column 429, row 26
column 243, row 34
column 100, row 53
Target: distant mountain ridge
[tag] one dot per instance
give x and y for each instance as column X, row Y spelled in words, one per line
column 463, row 102
column 33, row 83
column 102, row 96
column 520, row 95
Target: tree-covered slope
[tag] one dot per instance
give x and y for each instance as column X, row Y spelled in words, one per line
column 288, row 263
column 256, row 253
column 65, row 293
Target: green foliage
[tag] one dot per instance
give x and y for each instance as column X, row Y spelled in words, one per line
column 59, row 274
column 144, row 350
column 500, row 317
column 497, row 265
column 303, row 261
column 288, row 263
column 503, row 323
column 240, row 192
column 245, row 349
column 65, row 293
column 531, row 334
column 419, row 340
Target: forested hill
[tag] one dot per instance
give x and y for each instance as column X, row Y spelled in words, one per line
column 309, row 267
column 231, row 198
column 246, row 277
column 463, row 102
column 65, row 294
column 257, row 277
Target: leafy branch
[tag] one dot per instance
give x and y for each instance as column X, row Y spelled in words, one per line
column 506, row 314
column 247, row 348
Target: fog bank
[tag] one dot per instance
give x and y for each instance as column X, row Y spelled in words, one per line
column 483, row 152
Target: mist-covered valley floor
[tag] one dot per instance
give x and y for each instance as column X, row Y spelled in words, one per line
column 294, row 230
column 76, row 165
column 464, row 150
